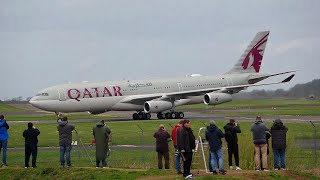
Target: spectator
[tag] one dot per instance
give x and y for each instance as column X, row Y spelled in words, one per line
column 31, row 145
column 174, row 136
column 65, row 140
column 213, row 136
column 101, row 135
column 279, row 133
column 231, row 130
column 185, row 144
column 4, row 136
column 258, row 130
column 162, row 146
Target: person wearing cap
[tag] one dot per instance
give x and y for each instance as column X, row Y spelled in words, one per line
column 231, row 130
column 101, row 135
column 31, row 145
column 65, row 139
column 4, row 136
column 279, row 134
column 174, row 135
column 162, row 147
column 213, row 136
column 259, row 129
column 186, row 143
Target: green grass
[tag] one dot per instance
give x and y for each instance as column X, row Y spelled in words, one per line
column 54, row 117
column 5, row 108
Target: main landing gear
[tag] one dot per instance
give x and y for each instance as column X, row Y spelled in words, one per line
column 141, row 116
column 170, row 115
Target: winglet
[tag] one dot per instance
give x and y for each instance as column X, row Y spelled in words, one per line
column 288, row 78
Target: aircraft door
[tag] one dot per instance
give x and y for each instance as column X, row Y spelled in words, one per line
column 62, row 95
column 180, row 87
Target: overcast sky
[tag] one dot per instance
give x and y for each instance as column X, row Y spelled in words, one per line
column 45, row 43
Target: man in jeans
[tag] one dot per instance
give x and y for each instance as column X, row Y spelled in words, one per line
column 213, row 136
column 4, row 136
column 65, row 140
column 258, row 130
column 174, row 135
column 31, row 144
column 279, row 133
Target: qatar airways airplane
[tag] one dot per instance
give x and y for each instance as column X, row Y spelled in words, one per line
column 163, row 95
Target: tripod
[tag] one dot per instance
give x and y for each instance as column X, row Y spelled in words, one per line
column 83, row 147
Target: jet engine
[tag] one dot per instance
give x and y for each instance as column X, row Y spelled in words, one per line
column 157, row 106
column 216, row 98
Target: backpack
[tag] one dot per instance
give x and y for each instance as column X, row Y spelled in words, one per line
column 229, row 137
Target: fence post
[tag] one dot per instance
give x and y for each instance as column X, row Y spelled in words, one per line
column 142, row 146
column 315, row 143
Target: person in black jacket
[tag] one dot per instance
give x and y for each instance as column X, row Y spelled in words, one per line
column 279, row 133
column 231, row 130
column 186, row 143
column 31, row 144
column 213, row 136
column 162, row 147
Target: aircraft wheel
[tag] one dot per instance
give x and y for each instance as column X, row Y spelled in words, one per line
column 173, row 115
column 135, row 116
column 148, row 116
column 180, row 115
column 160, row 115
column 141, row 116
column 168, row 116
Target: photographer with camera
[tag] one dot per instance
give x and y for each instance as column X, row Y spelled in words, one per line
column 231, row 130
column 31, row 144
column 65, row 140
column 162, row 147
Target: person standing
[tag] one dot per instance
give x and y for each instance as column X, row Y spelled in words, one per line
column 4, row 136
column 231, row 130
column 31, row 144
column 101, row 135
column 186, row 143
column 174, row 136
column 65, row 139
column 258, row 130
column 213, row 136
column 162, row 147
column 279, row 134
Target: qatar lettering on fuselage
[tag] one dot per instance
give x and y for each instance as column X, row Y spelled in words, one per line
column 78, row 94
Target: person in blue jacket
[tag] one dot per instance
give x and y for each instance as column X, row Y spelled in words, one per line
column 3, row 139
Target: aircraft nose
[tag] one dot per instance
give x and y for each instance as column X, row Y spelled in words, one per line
column 34, row 102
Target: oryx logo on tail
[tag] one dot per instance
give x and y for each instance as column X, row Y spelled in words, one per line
column 255, row 55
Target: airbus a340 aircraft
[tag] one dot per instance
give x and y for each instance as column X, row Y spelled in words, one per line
column 163, row 95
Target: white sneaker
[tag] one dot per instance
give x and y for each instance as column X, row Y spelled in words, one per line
column 238, row 168
column 97, row 167
column 276, row 169
column 257, row 169
column 231, row 168
column 266, row 170
column 283, row 169
column 189, row 176
column 26, row 167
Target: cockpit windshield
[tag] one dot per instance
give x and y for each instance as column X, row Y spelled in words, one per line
column 42, row 94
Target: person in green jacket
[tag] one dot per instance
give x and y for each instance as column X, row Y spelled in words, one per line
column 101, row 135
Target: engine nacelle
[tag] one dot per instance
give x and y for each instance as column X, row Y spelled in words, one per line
column 96, row 112
column 217, row 98
column 157, row 106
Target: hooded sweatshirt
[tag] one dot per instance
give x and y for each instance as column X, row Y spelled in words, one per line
column 31, row 136
column 258, row 130
column 279, row 134
column 4, row 130
column 174, row 134
column 213, row 136
column 65, row 133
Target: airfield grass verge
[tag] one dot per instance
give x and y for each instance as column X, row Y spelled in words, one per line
column 5, row 108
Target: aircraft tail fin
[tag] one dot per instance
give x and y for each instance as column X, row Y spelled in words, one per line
column 250, row 60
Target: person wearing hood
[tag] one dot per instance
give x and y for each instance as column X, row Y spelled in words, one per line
column 213, row 136
column 31, row 144
column 259, row 130
column 101, row 134
column 231, row 130
column 186, row 143
column 279, row 134
column 162, row 147
column 4, row 136
column 65, row 139
column 174, row 135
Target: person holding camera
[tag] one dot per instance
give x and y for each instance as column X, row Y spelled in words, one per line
column 31, row 144
column 65, row 139
column 162, row 147
column 102, row 137
column 231, row 129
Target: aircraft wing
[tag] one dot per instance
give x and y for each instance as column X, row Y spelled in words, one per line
column 140, row 99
